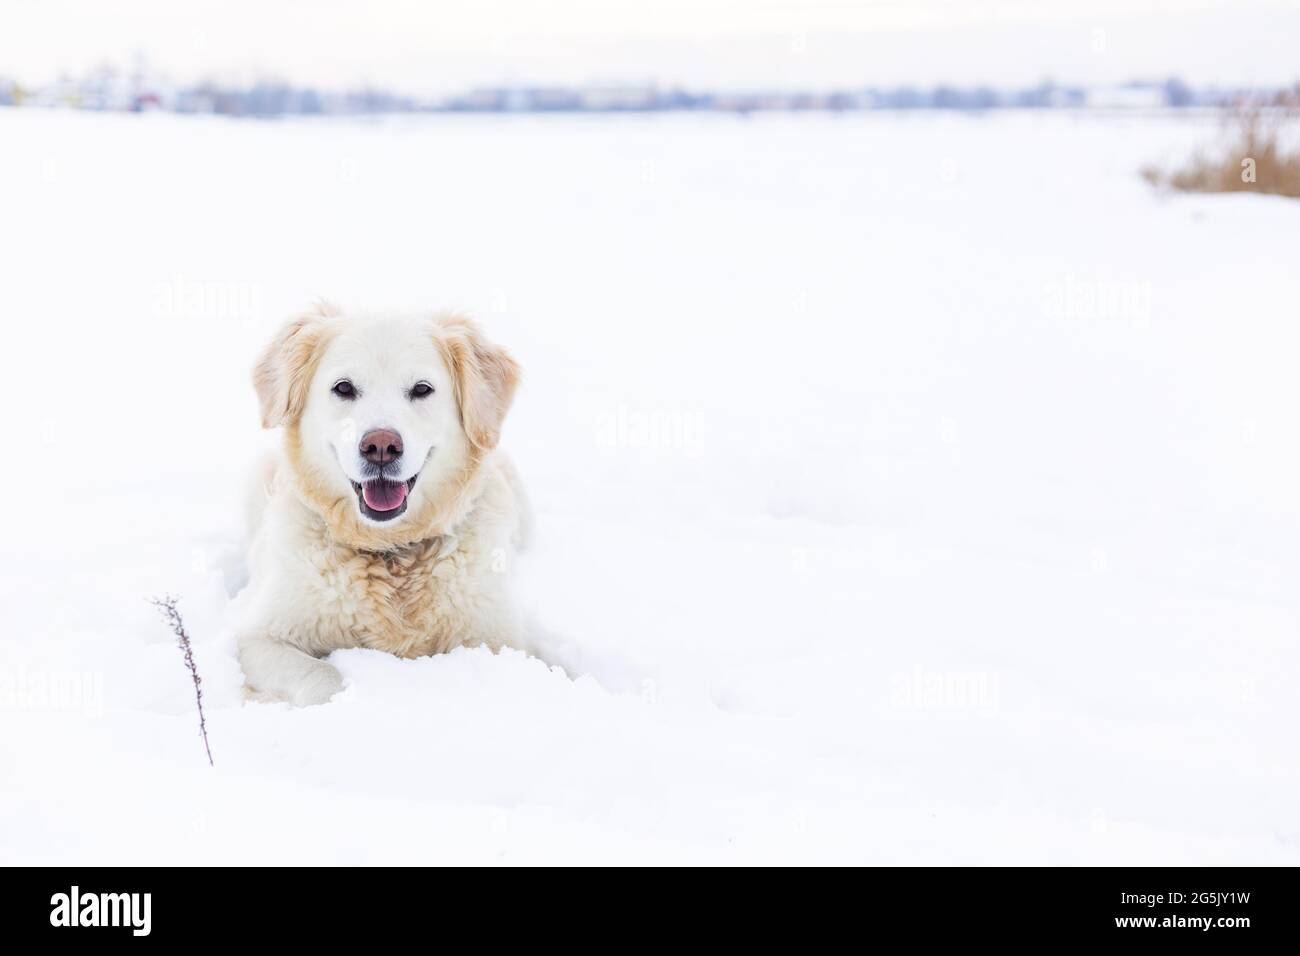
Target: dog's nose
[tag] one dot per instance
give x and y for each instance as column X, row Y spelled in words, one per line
column 381, row 446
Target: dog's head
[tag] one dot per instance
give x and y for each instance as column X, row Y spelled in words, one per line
column 384, row 414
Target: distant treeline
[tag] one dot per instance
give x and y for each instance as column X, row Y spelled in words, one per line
column 112, row 91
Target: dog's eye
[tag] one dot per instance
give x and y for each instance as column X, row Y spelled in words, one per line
column 422, row 390
column 343, row 389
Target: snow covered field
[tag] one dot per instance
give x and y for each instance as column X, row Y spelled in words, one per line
column 912, row 489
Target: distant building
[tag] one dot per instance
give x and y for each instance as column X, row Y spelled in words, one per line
column 1131, row 96
column 618, row 97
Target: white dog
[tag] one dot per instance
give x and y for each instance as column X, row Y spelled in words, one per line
column 388, row 519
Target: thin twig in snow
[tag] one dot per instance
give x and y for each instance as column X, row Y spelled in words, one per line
column 173, row 616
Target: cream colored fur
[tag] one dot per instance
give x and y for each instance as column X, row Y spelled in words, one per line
column 323, row 576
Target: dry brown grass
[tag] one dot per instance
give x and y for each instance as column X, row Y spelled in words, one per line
column 1256, row 159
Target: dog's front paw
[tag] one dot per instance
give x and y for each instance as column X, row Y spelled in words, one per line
column 316, row 685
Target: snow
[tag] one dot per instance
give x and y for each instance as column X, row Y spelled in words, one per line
column 911, row 489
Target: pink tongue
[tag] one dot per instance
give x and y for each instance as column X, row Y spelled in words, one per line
column 384, row 495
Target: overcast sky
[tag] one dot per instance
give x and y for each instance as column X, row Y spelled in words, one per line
column 440, row 45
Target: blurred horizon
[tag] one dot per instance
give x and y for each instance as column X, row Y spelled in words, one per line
column 726, row 45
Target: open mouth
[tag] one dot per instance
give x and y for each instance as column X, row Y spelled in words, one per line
column 382, row 499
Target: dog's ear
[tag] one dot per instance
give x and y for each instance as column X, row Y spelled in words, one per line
column 283, row 374
column 485, row 377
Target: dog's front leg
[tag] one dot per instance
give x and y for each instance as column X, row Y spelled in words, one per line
column 278, row 670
